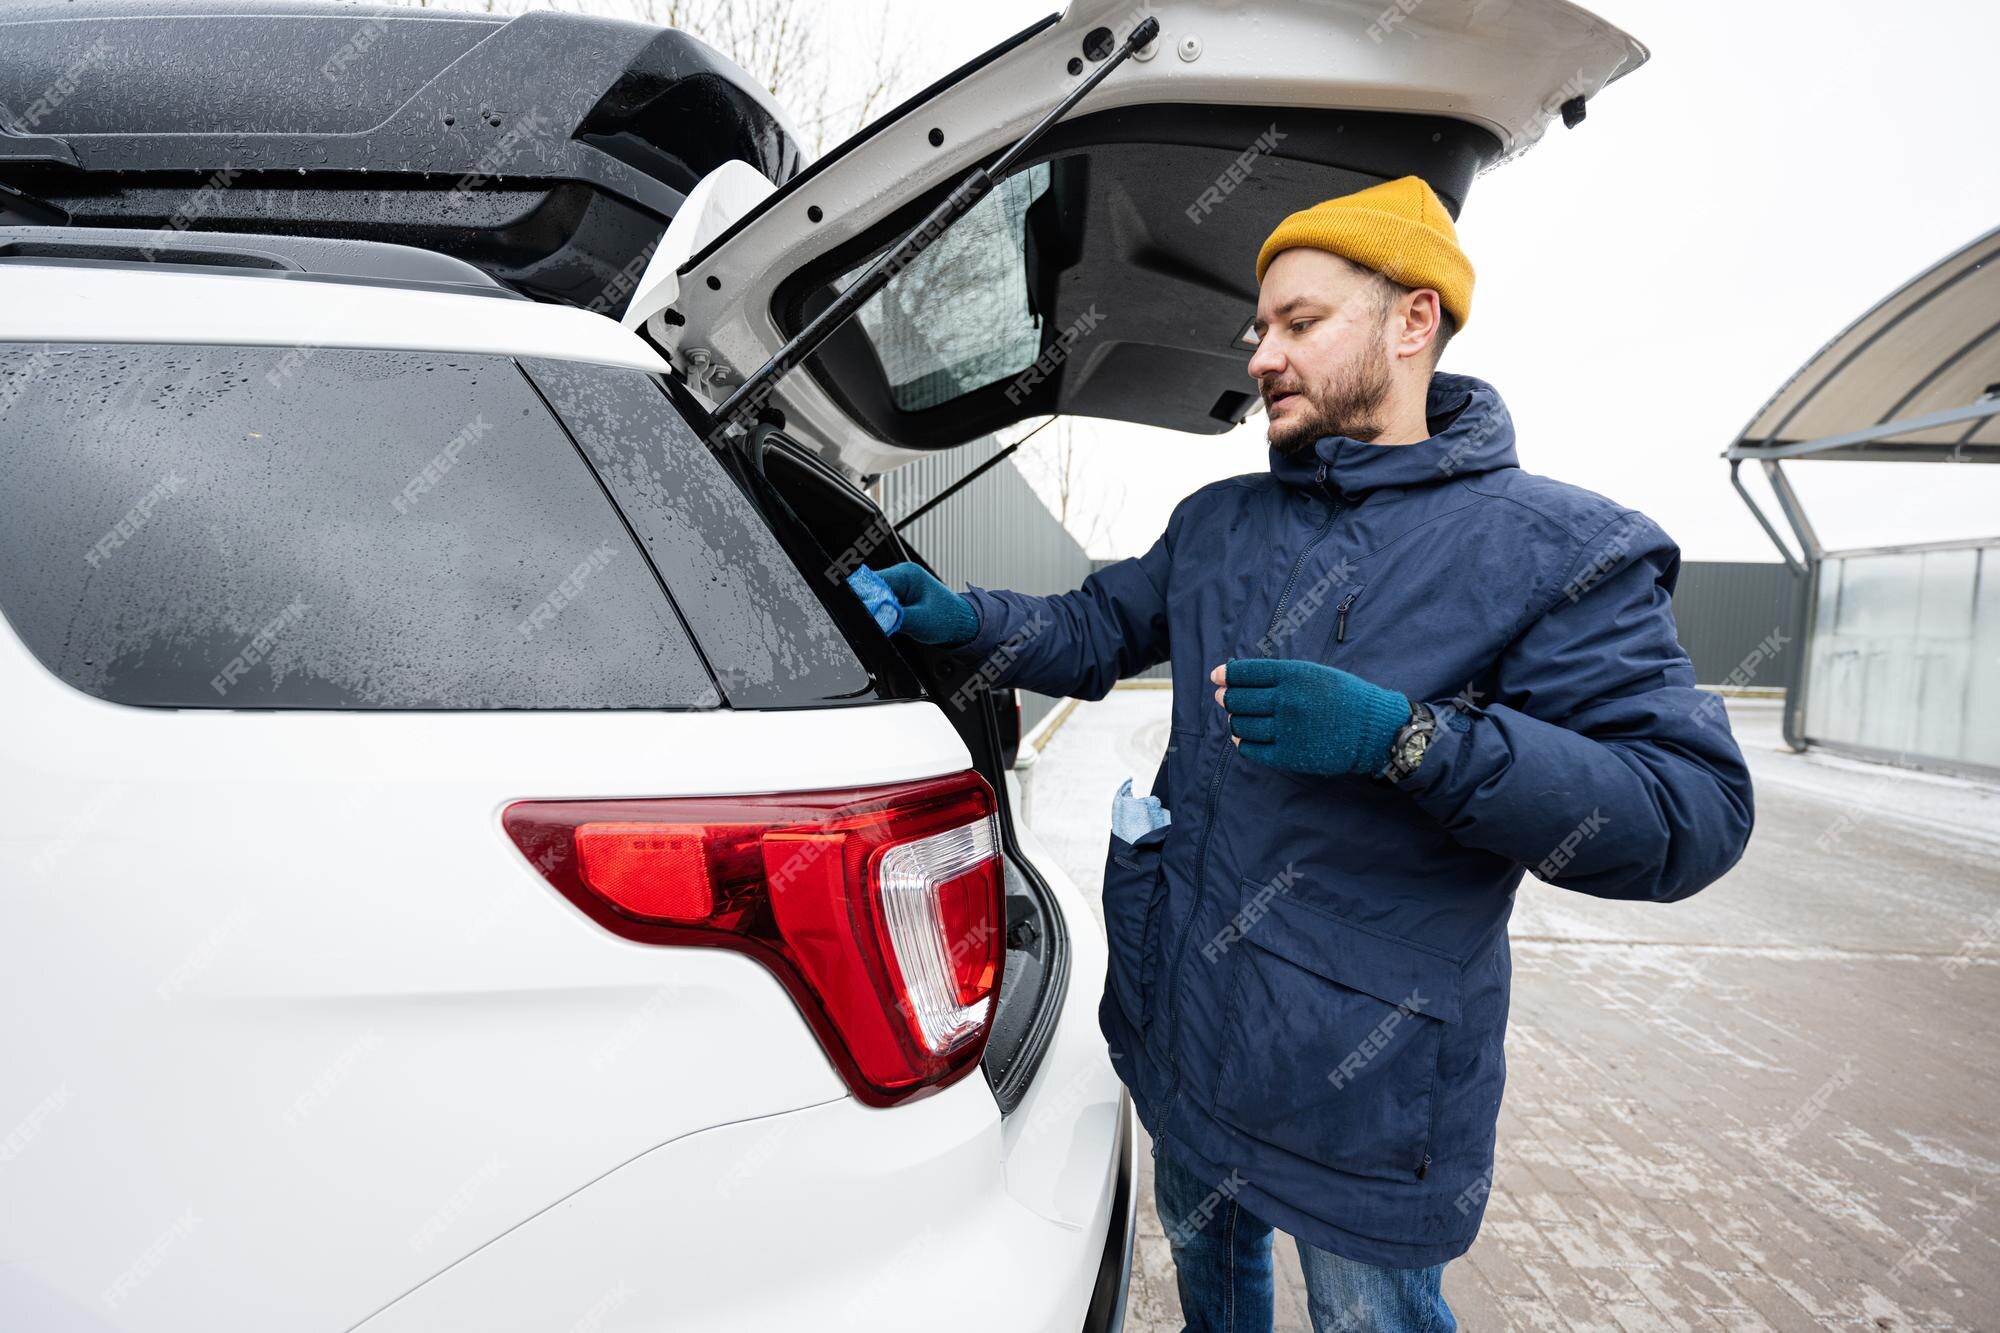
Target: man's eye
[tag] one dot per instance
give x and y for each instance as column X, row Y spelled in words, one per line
column 1301, row 325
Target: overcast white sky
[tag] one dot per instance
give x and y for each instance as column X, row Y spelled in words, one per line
column 1646, row 280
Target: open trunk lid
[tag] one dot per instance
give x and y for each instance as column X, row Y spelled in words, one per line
column 1111, row 273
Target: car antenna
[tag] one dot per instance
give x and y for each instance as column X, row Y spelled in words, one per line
column 742, row 407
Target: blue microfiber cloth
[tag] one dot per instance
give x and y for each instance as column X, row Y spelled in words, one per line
column 1133, row 815
column 875, row 595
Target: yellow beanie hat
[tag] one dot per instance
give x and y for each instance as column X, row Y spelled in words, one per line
column 1399, row 228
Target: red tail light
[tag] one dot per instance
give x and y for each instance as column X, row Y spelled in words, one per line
column 879, row 908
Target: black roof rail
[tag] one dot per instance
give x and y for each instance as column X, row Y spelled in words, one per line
column 548, row 149
column 314, row 258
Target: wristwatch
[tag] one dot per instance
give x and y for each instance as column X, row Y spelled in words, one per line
column 1411, row 743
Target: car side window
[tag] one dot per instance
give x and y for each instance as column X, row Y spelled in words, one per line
column 255, row 527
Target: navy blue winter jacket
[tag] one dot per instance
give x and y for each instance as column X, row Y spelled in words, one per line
column 1308, row 979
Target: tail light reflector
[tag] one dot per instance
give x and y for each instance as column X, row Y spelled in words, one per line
column 879, row 908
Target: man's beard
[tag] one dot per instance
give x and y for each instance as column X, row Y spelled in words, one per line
column 1350, row 404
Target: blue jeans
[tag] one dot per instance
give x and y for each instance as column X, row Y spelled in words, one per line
column 1222, row 1261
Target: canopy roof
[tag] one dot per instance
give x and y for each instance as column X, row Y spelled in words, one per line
column 1916, row 379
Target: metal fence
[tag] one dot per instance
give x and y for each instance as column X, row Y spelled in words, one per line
column 1737, row 620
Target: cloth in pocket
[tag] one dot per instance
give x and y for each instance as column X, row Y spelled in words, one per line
column 1132, row 815
column 1133, row 879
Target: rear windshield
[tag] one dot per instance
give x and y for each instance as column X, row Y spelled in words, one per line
column 323, row 528
column 958, row 317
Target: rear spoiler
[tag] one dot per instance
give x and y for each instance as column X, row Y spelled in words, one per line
column 549, row 150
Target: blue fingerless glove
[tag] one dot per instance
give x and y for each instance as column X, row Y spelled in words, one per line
column 1311, row 718
column 932, row 613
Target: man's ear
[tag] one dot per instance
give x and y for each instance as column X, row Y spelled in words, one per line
column 1422, row 313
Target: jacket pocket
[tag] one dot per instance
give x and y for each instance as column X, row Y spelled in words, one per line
column 1133, row 879
column 1331, row 1038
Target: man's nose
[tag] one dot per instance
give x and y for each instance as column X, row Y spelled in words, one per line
column 1265, row 360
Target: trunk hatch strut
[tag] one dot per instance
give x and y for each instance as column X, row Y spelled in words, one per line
column 741, row 408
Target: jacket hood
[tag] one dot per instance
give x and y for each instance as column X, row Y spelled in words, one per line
column 1471, row 432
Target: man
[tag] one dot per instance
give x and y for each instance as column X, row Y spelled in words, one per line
column 1434, row 672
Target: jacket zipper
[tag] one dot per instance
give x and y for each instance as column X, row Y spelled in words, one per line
column 1340, row 625
column 1215, row 783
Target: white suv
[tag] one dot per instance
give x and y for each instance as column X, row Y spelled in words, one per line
column 401, row 698
column 470, row 863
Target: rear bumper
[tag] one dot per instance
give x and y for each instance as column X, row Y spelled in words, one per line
column 1108, row 1301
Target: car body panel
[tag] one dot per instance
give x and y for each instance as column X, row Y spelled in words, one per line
column 51, row 302
column 337, row 972
column 834, row 1216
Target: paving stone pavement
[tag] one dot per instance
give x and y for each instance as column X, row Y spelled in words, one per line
column 1772, row 1106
